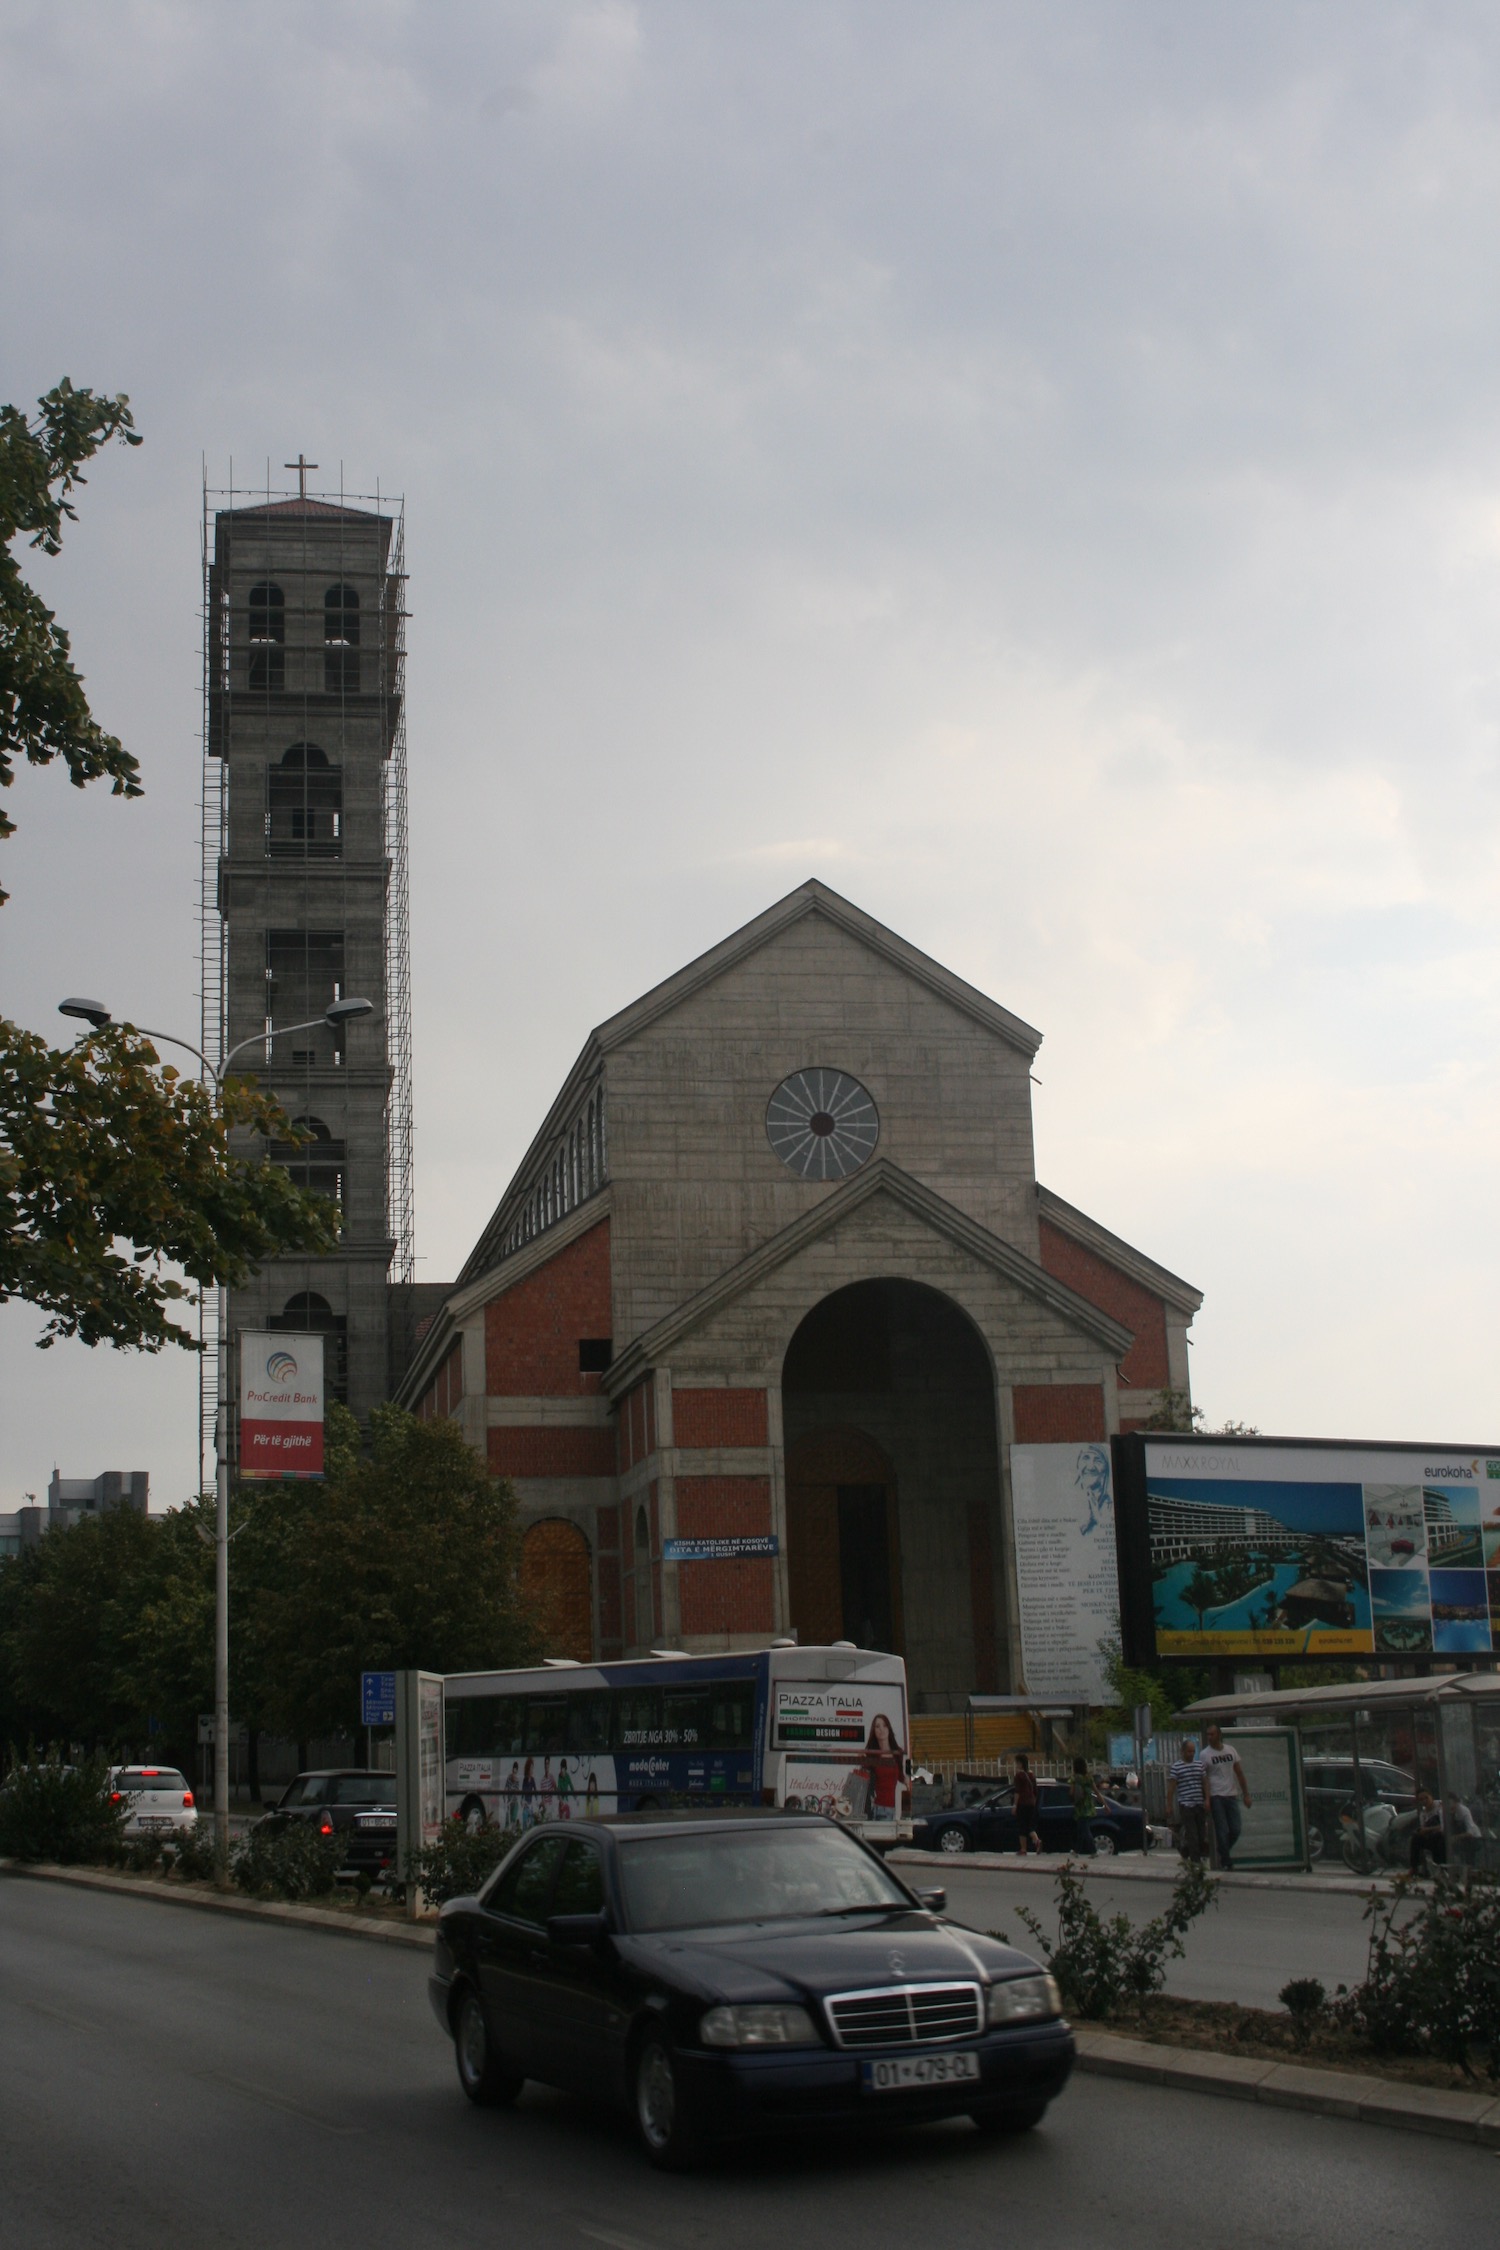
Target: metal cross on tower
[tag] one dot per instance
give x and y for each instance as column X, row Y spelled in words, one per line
column 301, row 466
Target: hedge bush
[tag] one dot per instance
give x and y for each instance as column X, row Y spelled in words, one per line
column 1432, row 1986
column 1102, row 1965
column 295, row 1862
column 457, row 1864
column 50, row 1810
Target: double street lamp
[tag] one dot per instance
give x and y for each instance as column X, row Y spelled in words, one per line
column 94, row 1013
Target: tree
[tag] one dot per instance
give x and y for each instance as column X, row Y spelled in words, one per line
column 1201, row 1594
column 100, row 1145
column 1175, row 1411
column 68, row 1610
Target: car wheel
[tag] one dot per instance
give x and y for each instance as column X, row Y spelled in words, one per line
column 479, row 2070
column 661, row 2119
column 473, row 1816
column 1014, row 2118
column 952, row 1839
column 1105, row 1846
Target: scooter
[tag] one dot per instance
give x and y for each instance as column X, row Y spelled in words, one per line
column 1382, row 1838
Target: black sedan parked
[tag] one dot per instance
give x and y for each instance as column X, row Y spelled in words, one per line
column 716, row 1977
column 991, row 1825
column 349, row 1801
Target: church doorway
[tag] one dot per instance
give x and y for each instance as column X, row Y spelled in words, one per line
column 893, row 1485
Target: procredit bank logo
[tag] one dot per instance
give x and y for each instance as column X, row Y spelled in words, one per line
column 281, row 1368
column 254, row 1397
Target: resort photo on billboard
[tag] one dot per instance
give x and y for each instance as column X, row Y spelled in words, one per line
column 1255, row 1567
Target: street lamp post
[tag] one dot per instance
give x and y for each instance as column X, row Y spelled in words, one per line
column 93, row 1012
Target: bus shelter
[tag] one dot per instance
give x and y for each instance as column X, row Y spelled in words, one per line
column 1369, row 1740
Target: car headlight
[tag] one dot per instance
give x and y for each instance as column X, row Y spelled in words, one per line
column 1024, row 2000
column 757, row 2027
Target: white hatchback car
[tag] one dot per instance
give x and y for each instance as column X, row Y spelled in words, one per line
column 157, row 1800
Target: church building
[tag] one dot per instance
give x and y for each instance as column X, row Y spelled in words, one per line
column 769, row 1300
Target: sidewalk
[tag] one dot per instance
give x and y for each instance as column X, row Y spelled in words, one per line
column 1161, row 1866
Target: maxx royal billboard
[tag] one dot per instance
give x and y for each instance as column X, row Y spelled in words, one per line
column 1270, row 1548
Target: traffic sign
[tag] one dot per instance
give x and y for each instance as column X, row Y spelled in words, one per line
column 377, row 1699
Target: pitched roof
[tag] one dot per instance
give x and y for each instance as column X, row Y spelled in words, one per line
column 811, row 898
column 1089, row 1235
column 879, row 1177
column 295, row 507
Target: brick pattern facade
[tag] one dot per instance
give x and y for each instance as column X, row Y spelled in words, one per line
column 725, row 1597
column 522, row 1452
column 1055, row 1413
column 557, row 1574
column 1144, row 1367
column 720, row 1418
column 444, row 1394
column 532, row 1332
column 637, row 1425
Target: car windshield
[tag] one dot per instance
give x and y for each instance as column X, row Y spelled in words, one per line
column 162, row 1777
column 364, row 1789
column 744, row 1875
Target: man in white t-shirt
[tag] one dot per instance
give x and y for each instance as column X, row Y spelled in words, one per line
column 1224, row 1785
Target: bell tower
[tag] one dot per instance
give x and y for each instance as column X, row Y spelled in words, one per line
column 305, row 889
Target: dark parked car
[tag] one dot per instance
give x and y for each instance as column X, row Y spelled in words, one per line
column 718, row 1977
column 1328, row 1785
column 351, row 1802
column 990, row 1825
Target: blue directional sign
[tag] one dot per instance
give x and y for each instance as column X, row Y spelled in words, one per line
column 377, row 1699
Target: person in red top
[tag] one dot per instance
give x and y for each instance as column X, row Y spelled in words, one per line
column 884, row 1764
column 1023, row 1800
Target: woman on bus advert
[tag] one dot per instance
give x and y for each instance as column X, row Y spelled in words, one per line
column 884, row 1767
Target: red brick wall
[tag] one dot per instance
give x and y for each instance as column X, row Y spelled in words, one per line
column 607, row 1534
column 637, row 1424
column 532, row 1333
column 1144, row 1367
column 719, row 1417
column 444, row 1394
column 557, row 1577
column 725, row 1597
column 552, row 1453
column 1053, row 1413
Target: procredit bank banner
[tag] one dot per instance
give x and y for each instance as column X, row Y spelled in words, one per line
column 1063, row 1509
column 1270, row 1549
column 281, row 1404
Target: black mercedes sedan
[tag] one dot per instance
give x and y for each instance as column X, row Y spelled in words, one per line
column 721, row 1976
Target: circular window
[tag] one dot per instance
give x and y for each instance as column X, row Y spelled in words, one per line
column 822, row 1124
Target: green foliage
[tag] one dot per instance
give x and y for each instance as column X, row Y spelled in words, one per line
column 193, row 1853
column 1166, row 1692
column 295, row 1863
column 52, row 1811
column 1104, row 1965
column 1304, row 2000
column 407, row 1556
column 1432, row 1983
column 112, row 1163
column 44, row 712
column 458, row 1863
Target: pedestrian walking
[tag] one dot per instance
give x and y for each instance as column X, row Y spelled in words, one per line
column 1428, row 1840
column 1187, row 1814
column 1023, row 1801
column 1085, row 1804
column 1224, row 1786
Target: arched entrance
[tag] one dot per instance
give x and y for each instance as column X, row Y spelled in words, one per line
column 893, row 1485
column 557, row 1575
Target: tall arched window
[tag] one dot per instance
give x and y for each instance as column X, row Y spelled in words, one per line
column 307, row 1313
column 267, row 620
column 341, row 632
column 645, row 1608
column 316, row 1164
column 304, row 806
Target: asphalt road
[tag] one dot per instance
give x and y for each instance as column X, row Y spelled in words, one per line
column 167, row 2078
column 1245, row 1947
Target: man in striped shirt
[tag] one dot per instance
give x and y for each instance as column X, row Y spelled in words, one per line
column 1186, row 1811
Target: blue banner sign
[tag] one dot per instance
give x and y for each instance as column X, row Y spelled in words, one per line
column 720, row 1550
column 377, row 1699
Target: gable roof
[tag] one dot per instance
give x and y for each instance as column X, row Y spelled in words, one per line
column 811, row 898
column 879, row 1177
column 1089, row 1235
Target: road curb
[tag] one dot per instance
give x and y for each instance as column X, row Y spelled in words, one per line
column 1453, row 2115
column 1131, row 1869
column 215, row 1902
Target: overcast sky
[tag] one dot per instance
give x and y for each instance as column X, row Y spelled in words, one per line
column 1035, row 467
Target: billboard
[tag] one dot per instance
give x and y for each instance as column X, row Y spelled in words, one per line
column 281, row 1404
column 1278, row 1548
column 1067, row 1581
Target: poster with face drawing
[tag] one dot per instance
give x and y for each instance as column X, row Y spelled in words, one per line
column 1063, row 1509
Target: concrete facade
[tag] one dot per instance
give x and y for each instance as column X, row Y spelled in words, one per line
column 665, row 1332
column 303, row 704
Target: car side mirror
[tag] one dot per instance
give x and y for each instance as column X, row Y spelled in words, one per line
column 935, row 1901
column 577, row 1929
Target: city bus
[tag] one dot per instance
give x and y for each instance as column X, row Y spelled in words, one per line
column 816, row 1729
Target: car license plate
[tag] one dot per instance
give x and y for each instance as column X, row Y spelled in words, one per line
column 918, row 2070
column 383, row 1822
column 149, row 1820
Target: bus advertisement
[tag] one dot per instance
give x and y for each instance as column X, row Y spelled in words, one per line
column 815, row 1729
